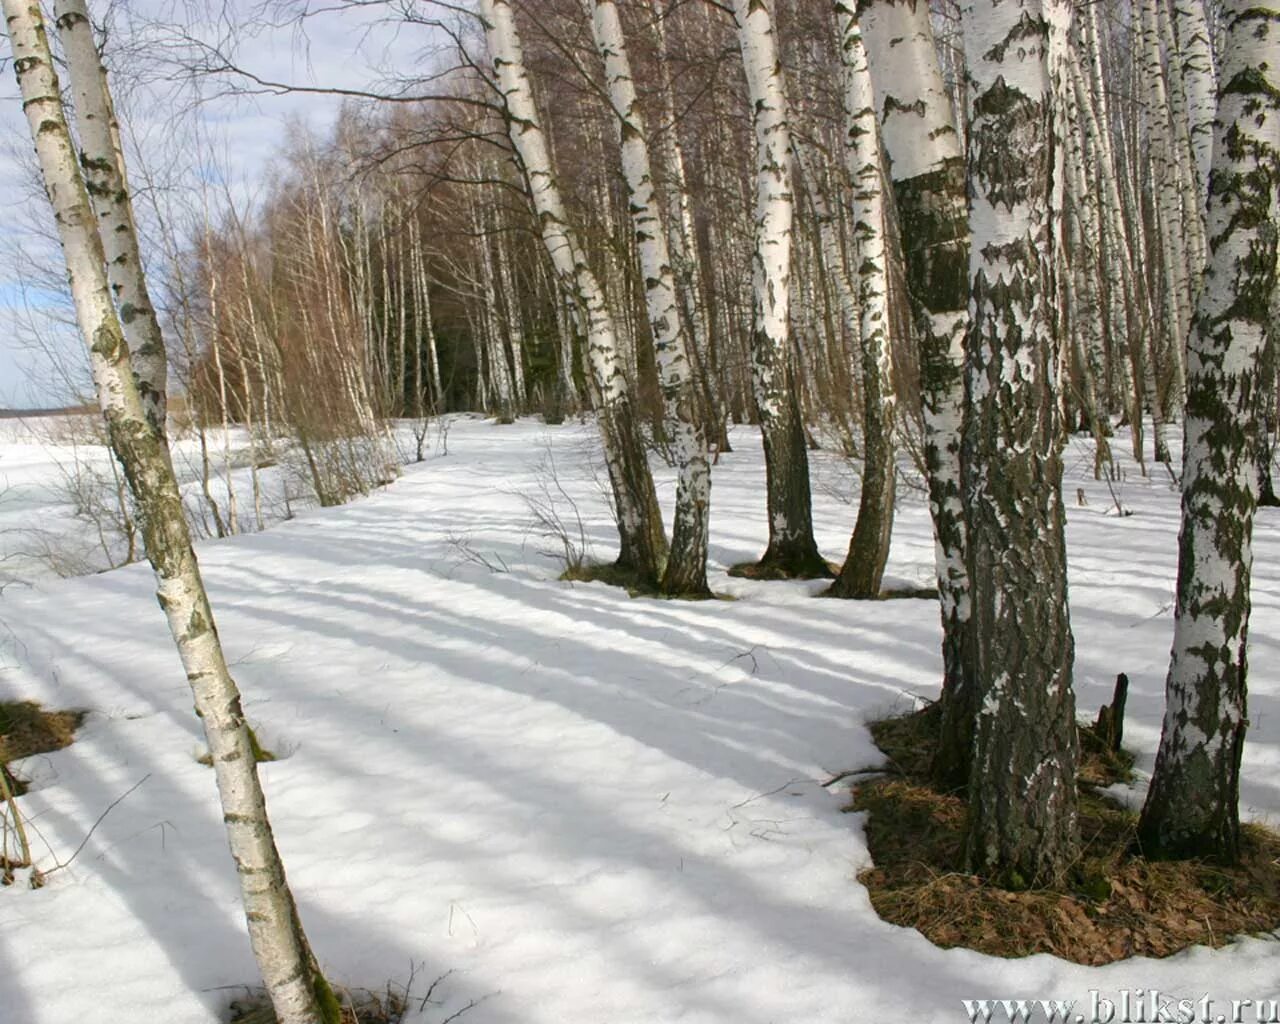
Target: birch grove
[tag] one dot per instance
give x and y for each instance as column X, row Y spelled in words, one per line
column 937, row 254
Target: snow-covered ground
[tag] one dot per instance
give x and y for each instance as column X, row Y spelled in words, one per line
column 588, row 808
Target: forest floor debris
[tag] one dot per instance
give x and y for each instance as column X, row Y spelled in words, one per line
column 1115, row 904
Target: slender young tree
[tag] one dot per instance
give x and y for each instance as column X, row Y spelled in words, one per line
column 292, row 977
column 792, row 550
column 1022, row 785
column 1198, row 79
column 682, row 241
column 686, row 572
column 864, row 565
column 643, row 542
column 1192, row 806
column 927, row 170
column 102, row 163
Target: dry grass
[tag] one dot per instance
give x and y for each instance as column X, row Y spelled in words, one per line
column 27, row 729
column 770, row 572
column 1115, row 905
column 359, row 1006
column 629, row 580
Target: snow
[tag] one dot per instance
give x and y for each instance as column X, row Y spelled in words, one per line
column 587, row 807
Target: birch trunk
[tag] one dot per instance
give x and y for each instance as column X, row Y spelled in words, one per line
column 864, row 565
column 1199, row 85
column 686, row 571
column 294, row 983
column 1192, row 806
column 643, row 543
column 1081, row 256
column 514, row 318
column 1190, row 194
column 792, row 552
column 1022, row 786
column 927, row 170
column 103, row 168
column 1171, row 239
column 683, row 243
column 1268, row 415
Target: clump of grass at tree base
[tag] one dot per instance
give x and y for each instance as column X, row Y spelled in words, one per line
column 1115, row 904
column 771, row 572
column 354, row 1006
column 628, row 579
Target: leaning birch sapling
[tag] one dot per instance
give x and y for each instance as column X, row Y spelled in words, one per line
column 290, row 973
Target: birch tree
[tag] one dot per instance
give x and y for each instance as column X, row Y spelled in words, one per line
column 643, row 542
column 1022, row 794
column 864, row 565
column 1198, row 80
column 792, row 551
column 686, row 571
column 927, row 170
column 102, row 163
column 1192, row 804
column 290, row 972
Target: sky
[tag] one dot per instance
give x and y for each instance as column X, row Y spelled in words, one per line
column 360, row 47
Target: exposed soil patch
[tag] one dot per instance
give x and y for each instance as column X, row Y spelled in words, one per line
column 27, row 729
column 1115, row 905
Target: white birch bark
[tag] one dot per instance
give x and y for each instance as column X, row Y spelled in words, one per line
column 686, row 571
column 918, row 126
column 792, row 550
column 514, row 319
column 1081, row 246
column 1192, row 805
column 834, row 263
column 103, row 169
column 1022, row 800
column 288, row 966
column 1191, row 195
column 682, row 238
column 864, row 564
column 1199, row 84
column 499, row 377
column 1173, row 245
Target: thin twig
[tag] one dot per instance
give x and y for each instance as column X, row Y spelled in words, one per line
column 856, row 771
column 470, row 1006
column 431, row 989
column 101, row 817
